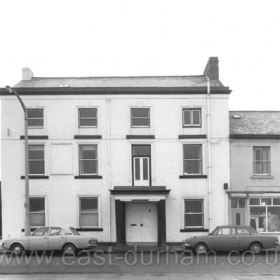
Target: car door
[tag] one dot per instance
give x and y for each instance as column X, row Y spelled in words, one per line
column 56, row 238
column 38, row 241
column 244, row 237
column 226, row 239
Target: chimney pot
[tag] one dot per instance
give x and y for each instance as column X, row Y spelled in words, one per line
column 212, row 68
column 27, row 74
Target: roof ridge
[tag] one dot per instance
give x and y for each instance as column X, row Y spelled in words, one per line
column 106, row 77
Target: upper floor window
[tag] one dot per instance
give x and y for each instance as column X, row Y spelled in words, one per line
column 37, row 211
column 87, row 117
column 35, row 118
column 89, row 212
column 191, row 117
column 192, row 159
column 140, row 117
column 88, row 159
column 193, row 213
column 261, row 160
column 36, row 155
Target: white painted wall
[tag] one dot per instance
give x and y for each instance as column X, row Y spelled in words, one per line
column 62, row 190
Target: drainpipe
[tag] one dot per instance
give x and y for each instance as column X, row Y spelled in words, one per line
column 108, row 100
column 209, row 154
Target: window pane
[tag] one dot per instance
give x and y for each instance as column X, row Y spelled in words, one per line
column 37, row 204
column 145, row 169
column 35, row 122
column 193, row 206
column 257, row 153
column 89, row 220
column 36, row 167
column 88, row 166
column 35, row 113
column 196, row 117
column 88, row 204
column 192, row 167
column 187, row 117
column 276, row 201
column 273, row 219
column 36, row 151
column 265, row 201
column 37, row 219
column 140, row 122
column 141, row 150
column 140, row 112
column 254, row 201
column 88, row 122
column 192, row 151
column 241, row 202
column 88, row 112
column 137, row 168
column 265, row 154
column 242, row 231
column 234, row 203
column 194, row 220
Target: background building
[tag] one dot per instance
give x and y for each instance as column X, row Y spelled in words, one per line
column 127, row 159
column 255, row 176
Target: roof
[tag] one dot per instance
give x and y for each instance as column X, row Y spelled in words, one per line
column 254, row 124
column 112, row 82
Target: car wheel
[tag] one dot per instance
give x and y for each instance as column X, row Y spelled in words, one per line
column 69, row 249
column 255, row 248
column 17, row 249
column 200, row 248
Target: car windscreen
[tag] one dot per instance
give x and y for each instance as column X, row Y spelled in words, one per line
column 74, row 231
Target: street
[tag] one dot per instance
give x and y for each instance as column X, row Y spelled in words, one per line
column 142, row 265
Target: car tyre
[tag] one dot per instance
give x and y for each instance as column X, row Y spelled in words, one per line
column 200, row 248
column 69, row 250
column 255, row 248
column 17, row 249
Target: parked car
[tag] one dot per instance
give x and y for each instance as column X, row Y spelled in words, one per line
column 67, row 240
column 226, row 238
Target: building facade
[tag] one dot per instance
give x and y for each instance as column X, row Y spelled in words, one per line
column 126, row 159
column 255, row 178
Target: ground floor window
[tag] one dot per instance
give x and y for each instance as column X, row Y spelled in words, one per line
column 193, row 213
column 37, row 211
column 265, row 213
column 89, row 212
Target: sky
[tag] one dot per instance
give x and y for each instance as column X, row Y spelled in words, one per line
column 147, row 37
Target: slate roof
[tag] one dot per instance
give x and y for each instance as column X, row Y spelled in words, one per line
column 146, row 81
column 254, row 122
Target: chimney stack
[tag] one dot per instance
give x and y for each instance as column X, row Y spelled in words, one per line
column 27, row 74
column 212, row 68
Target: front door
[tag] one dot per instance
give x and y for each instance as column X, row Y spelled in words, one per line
column 238, row 217
column 141, row 223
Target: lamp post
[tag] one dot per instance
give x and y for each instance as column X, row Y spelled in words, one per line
column 26, row 204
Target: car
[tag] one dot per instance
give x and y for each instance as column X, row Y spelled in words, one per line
column 67, row 240
column 227, row 238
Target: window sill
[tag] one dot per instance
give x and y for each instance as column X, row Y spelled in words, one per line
column 89, row 229
column 194, row 230
column 192, row 176
column 35, row 177
column 88, row 177
column 262, row 177
column 35, row 137
column 87, row 136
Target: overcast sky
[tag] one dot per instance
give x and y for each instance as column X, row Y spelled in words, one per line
column 147, row 37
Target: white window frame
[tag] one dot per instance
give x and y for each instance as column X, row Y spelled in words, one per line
column 79, row 159
column 140, row 126
column 45, row 211
column 98, row 210
column 43, row 118
column 201, row 160
column 44, row 159
column 184, row 212
column 191, row 117
column 261, row 161
column 87, row 108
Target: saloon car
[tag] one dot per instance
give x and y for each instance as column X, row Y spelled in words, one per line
column 227, row 238
column 67, row 240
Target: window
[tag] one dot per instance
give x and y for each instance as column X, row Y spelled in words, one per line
column 87, row 117
column 37, row 211
column 261, row 160
column 36, row 155
column 35, row 118
column 88, row 159
column 140, row 117
column 192, row 159
column 242, row 231
column 191, row 117
column 237, row 202
column 265, row 214
column 41, row 232
column 193, row 213
column 89, row 212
